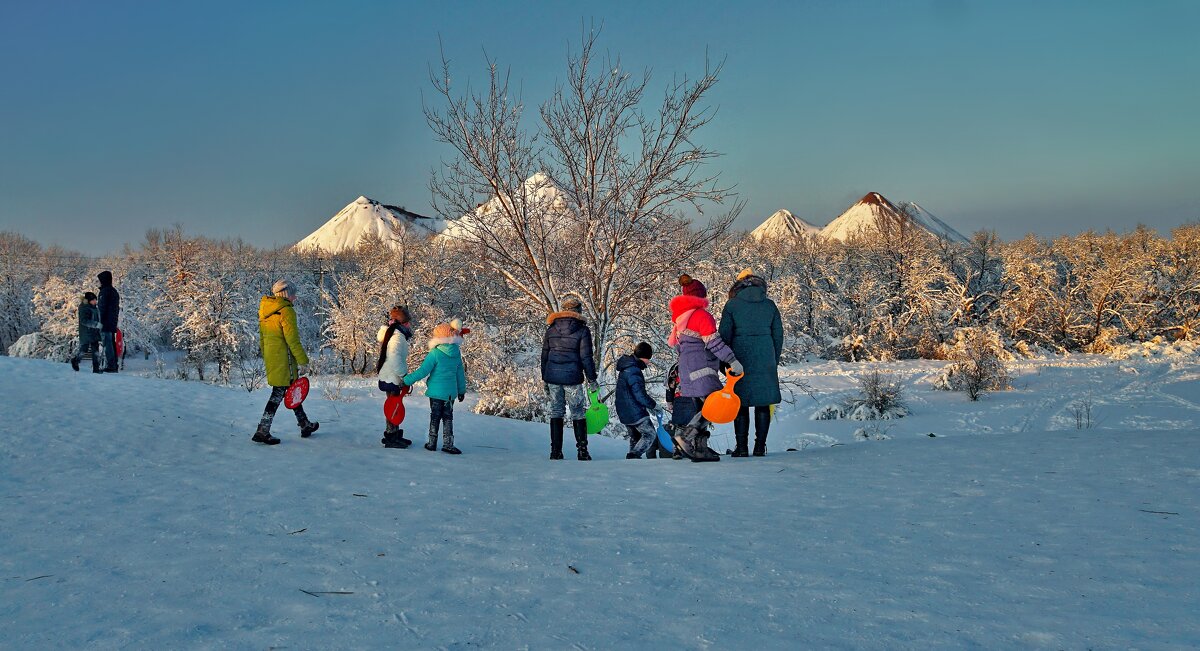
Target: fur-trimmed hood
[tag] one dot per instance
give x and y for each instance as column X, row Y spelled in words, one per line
column 565, row 314
column 754, row 283
column 685, row 302
column 434, row 342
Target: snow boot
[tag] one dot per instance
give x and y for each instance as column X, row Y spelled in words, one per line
column 448, row 444
column 307, row 429
column 685, row 441
column 263, row 436
column 556, row 438
column 701, row 451
column 75, row 364
column 762, row 423
column 581, row 441
column 393, row 437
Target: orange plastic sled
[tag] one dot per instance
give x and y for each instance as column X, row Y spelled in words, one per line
column 722, row 405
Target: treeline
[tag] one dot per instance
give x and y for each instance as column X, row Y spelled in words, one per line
column 891, row 294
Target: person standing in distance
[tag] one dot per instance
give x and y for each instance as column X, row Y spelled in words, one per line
column 110, row 309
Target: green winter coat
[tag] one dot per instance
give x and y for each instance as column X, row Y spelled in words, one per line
column 444, row 368
column 280, row 340
column 89, row 324
column 751, row 325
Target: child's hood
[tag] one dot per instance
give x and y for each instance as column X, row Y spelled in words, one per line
column 448, row 349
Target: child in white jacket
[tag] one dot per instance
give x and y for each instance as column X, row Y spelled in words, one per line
column 393, row 366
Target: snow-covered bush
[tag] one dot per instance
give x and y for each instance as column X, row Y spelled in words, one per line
column 56, row 305
column 978, row 363
column 878, row 398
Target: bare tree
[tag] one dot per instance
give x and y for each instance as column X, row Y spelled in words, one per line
column 591, row 203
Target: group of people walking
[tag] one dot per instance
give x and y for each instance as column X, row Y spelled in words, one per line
column 98, row 316
column 747, row 341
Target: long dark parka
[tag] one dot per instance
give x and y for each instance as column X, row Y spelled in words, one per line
column 751, row 324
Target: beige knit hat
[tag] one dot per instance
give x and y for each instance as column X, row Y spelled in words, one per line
column 744, row 273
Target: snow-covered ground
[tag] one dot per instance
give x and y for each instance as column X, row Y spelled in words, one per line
column 135, row 513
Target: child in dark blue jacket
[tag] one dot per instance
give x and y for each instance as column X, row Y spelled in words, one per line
column 633, row 403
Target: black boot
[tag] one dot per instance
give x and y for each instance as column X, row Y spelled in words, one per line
column 75, row 364
column 264, row 436
column 685, row 441
column 556, row 438
column 393, row 437
column 581, row 435
column 702, row 452
column 762, row 423
column 307, row 429
column 741, row 433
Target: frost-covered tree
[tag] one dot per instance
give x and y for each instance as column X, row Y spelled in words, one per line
column 590, row 203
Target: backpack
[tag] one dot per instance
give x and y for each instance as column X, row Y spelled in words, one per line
column 672, row 383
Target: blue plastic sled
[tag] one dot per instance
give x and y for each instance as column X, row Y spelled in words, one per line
column 664, row 439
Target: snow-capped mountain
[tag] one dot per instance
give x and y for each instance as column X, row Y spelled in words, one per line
column 930, row 222
column 783, row 225
column 874, row 210
column 539, row 190
column 359, row 218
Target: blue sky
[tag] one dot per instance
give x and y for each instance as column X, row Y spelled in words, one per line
column 261, row 119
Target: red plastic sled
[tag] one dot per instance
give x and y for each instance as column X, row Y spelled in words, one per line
column 393, row 407
column 296, row 393
column 119, row 343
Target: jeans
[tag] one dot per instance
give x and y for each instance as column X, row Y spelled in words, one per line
column 441, row 412
column 561, row 396
column 264, row 424
column 108, row 339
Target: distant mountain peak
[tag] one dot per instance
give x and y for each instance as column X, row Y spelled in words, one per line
column 362, row 217
column 782, row 224
column 874, row 210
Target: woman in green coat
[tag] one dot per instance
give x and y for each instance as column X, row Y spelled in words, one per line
column 751, row 325
column 283, row 356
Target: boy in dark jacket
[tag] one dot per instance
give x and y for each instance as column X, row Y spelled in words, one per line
column 89, row 332
column 633, row 403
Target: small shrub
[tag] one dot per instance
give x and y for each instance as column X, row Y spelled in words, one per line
column 878, row 398
column 978, row 364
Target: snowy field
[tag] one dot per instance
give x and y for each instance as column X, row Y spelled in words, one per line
column 135, row 513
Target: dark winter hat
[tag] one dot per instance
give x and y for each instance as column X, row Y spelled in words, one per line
column 643, row 351
column 692, row 287
column 89, row 296
column 571, row 303
column 105, row 278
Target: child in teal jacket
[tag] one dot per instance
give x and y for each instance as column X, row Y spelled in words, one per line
column 443, row 366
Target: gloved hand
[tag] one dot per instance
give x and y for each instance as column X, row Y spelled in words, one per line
column 736, row 368
column 593, row 386
column 461, row 396
column 302, row 370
